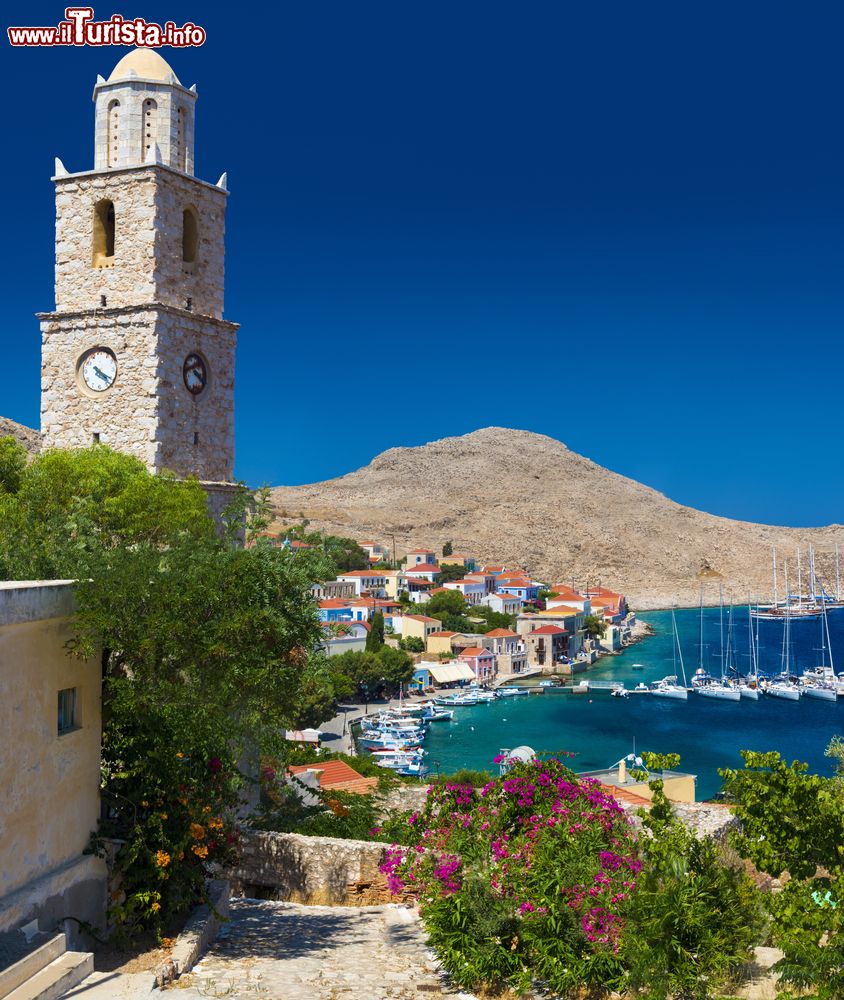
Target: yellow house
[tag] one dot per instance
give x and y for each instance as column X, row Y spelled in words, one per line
column 50, row 724
column 418, row 626
column 458, row 559
column 440, row 642
column 623, row 779
column 395, row 583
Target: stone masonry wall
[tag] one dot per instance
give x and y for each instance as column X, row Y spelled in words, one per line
column 313, row 870
column 147, row 265
column 148, row 412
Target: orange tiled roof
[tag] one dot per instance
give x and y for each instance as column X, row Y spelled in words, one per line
column 442, row 635
column 337, row 775
column 423, row 568
column 475, row 651
column 502, row 633
column 548, row 630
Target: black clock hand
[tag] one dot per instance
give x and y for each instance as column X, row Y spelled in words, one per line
column 102, row 374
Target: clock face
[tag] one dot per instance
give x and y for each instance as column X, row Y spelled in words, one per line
column 99, row 370
column 195, row 374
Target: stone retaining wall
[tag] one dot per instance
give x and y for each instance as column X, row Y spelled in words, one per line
column 313, row 870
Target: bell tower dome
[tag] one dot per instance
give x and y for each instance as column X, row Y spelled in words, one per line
column 143, row 115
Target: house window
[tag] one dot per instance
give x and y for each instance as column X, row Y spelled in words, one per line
column 68, row 718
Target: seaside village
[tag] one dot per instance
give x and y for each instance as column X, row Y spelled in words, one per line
column 546, row 632
column 144, row 772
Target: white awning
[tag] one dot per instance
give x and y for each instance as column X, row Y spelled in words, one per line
column 447, row 673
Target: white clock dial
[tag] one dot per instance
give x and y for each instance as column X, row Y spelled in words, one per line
column 99, row 370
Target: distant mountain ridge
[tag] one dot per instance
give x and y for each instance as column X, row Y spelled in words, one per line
column 525, row 499
column 29, row 438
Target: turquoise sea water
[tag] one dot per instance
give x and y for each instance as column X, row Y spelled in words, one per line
column 708, row 734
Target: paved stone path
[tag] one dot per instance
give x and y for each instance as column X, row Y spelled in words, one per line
column 283, row 951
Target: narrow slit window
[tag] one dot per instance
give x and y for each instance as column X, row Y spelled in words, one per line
column 190, row 236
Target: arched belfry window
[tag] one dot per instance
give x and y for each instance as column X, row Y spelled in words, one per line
column 104, row 231
column 148, row 133
column 190, row 239
column 113, row 133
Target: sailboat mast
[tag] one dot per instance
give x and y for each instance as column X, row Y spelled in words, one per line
column 776, row 595
column 700, row 631
column 753, row 668
column 677, row 640
column 799, row 582
column 837, row 577
column 721, row 603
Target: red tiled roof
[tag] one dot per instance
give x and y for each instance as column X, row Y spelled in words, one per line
column 335, row 602
column 623, row 795
column 502, row 633
column 421, row 552
column 423, row 568
column 337, row 774
column 548, row 630
column 442, row 635
column 423, row 618
column 474, row 651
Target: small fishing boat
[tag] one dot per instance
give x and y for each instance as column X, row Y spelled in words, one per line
column 511, row 692
column 619, row 692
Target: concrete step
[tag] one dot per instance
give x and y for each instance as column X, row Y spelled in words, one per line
column 32, row 963
column 53, row 981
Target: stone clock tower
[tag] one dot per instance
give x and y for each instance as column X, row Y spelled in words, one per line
column 137, row 355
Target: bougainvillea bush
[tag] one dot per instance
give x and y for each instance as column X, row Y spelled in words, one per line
column 523, row 880
column 539, row 879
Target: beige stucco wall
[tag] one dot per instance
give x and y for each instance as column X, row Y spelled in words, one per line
column 49, row 794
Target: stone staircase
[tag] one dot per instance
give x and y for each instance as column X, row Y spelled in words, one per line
column 46, row 972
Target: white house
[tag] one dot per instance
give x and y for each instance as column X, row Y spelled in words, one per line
column 504, row 604
column 473, row 591
column 366, row 580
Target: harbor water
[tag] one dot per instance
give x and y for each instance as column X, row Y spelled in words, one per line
column 707, row 733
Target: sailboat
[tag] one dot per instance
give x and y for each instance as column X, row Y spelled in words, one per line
column 668, row 686
column 748, row 687
column 704, row 683
column 783, row 686
column 820, row 683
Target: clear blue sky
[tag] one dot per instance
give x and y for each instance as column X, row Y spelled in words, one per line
column 617, row 224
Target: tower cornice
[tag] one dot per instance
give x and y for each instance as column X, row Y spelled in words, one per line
column 136, row 168
column 104, row 312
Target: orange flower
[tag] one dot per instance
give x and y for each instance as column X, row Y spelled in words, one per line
column 163, row 815
column 155, row 907
column 180, row 755
column 215, row 824
column 162, row 859
column 206, row 809
column 197, row 831
column 200, row 850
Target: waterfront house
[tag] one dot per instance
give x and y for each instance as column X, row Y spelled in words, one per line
column 510, row 650
column 449, row 675
column 566, row 597
column 614, row 605
column 481, row 661
column 568, row 618
column 547, row 647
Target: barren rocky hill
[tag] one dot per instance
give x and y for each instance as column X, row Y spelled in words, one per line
column 527, row 500
column 30, row 439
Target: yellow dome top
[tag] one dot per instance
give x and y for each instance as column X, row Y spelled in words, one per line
column 146, row 63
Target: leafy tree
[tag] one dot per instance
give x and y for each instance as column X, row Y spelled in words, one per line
column 595, row 626
column 375, row 638
column 12, row 465
column 451, row 572
column 448, row 602
column 412, row 644
column 396, row 665
column 448, row 549
column 494, row 619
column 695, row 915
column 73, row 507
column 793, row 821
